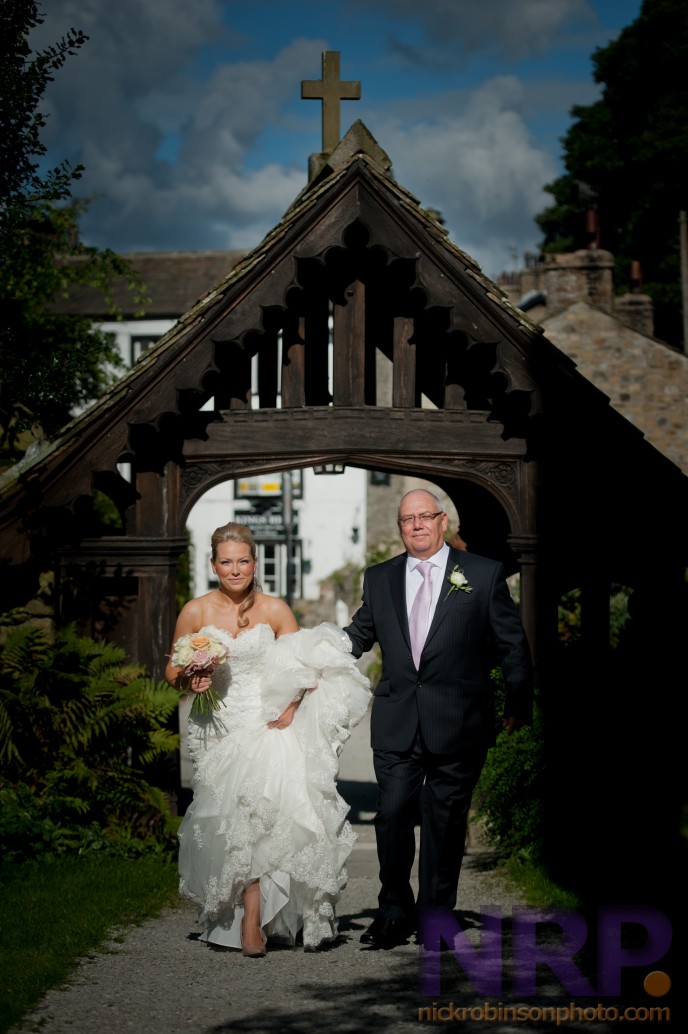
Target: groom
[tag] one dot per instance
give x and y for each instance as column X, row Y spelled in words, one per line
column 437, row 614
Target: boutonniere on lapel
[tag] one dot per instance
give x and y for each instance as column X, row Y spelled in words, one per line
column 457, row 580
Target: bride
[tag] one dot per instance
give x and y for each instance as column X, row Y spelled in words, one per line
column 263, row 844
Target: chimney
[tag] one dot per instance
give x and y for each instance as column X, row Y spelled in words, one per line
column 635, row 309
column 592, row 229
column 579, row 276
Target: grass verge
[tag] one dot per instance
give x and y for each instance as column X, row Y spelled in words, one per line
column 535, row 885
column 55, row 912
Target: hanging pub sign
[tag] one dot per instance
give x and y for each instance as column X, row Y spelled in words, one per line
column 265, row 486
column 265, row 523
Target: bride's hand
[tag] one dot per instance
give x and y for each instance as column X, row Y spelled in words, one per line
column 286, row 718
column 198, row 683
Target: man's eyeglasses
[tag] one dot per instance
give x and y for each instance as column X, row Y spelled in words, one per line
column 425, row 518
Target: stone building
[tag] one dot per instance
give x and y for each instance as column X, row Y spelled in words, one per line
column 610, row 339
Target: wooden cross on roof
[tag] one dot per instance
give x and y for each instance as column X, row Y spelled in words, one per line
column 331, row 90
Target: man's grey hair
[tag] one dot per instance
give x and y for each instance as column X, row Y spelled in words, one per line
column 438, row 505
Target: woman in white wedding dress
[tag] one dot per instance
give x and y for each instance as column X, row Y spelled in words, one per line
column 263, row 844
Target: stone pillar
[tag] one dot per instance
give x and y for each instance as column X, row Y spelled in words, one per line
column 579, row 276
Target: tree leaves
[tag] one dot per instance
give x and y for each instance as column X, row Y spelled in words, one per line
column 626, row 156
column 50, row 364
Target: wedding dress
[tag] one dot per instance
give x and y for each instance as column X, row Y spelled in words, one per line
column 265, row 801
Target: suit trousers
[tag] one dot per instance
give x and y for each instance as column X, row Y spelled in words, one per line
column 439, row 786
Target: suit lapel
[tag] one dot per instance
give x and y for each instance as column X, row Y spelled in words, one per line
column 446, row 599
column 397, row 586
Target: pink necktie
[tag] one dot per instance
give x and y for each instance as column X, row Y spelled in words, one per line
column 420, row 612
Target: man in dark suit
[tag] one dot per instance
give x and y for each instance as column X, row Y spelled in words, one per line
column 441, row 627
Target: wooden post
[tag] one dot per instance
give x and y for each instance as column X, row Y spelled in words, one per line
column 317, row 342
column 404, row 368
column 293, row 362
column 349, row 348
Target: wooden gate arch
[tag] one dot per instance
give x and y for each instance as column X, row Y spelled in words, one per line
column 497, row 479
column 356, row 332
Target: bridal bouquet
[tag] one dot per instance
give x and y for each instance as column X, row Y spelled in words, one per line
column 196, row 653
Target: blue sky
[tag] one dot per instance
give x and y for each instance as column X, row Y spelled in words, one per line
column 189, row 118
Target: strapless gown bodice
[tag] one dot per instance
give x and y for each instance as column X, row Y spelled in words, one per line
column 265, row 801
column 237, row 683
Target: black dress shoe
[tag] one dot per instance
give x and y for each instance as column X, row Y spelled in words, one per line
column 387, row 933
column 433, row 949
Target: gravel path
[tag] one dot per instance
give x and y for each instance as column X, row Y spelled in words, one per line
column 159, row 979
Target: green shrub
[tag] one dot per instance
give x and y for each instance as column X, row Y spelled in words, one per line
column 81, row 734
column 509, row 794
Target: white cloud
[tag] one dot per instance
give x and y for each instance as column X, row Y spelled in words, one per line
column 133, row 95
column 182, row 157
column 480, row 167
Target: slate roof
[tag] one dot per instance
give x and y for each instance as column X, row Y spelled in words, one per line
column 174, row 282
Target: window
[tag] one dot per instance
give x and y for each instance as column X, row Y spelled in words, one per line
column 140, row 344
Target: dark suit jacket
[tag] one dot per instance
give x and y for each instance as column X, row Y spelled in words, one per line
column 451, row 695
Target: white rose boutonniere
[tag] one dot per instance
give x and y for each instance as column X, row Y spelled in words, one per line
column 457, row 580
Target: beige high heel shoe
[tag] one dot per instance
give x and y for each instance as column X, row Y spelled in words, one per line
column 253, row 953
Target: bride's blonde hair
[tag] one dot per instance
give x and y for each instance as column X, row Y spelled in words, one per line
column 238, row 533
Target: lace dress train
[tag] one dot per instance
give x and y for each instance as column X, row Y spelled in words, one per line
column 266, row 805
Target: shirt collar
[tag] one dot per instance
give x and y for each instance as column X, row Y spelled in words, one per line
column 439, row 559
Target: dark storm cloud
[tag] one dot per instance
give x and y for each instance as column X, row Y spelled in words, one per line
column 457, row 29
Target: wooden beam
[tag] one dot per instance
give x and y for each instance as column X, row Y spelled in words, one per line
column 353, row 429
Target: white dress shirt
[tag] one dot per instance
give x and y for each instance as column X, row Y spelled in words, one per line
column 414, row 579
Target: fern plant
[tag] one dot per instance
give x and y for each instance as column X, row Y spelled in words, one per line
column 84, row 737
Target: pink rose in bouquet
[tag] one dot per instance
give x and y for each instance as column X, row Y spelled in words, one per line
column 196, row 653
